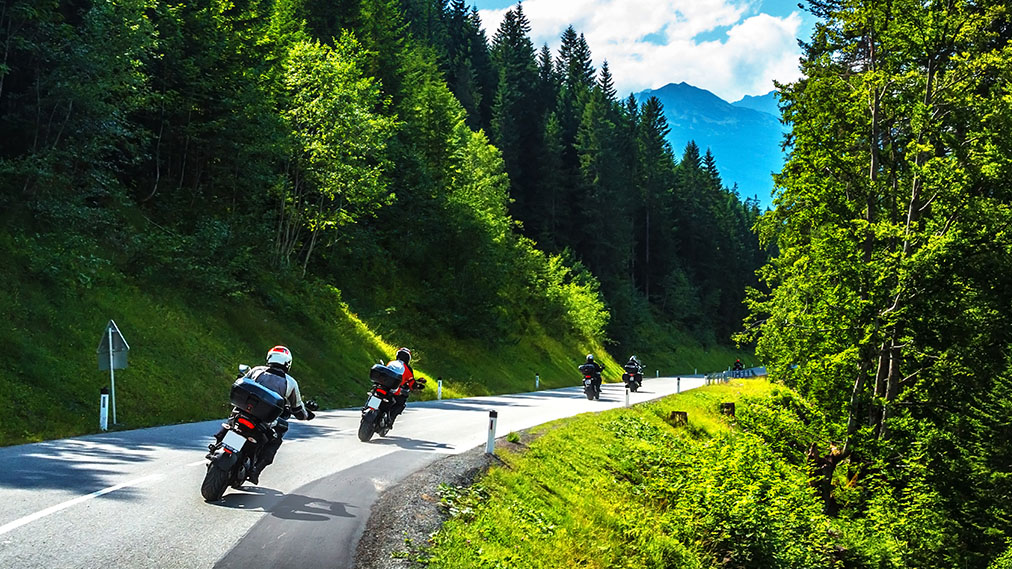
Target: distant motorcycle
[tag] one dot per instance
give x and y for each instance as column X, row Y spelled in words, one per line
column 249, row 428
column 591, row 386
column 633, row 377
column 376, row 418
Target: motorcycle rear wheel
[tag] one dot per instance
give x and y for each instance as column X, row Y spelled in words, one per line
column 215, row 482
column 367, row 427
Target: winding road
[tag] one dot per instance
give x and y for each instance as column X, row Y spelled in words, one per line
column 131, row 499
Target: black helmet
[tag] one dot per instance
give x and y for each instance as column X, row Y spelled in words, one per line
column 590, row 357
column 404, row 355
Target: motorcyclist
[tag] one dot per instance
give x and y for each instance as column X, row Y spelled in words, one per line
column 634, row 368
column 401, row 364
column 738, row 366
column 274, row 376
column 594, row 370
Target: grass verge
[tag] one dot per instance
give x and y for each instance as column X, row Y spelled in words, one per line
column 626, row 488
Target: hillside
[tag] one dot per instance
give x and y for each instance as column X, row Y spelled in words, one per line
column 220, row 181
column 745, row 136
column 185, row 347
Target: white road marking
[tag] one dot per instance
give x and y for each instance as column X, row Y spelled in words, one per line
column 53, row 509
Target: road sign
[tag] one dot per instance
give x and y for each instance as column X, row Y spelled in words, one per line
column 116, row 356
column 112, row 355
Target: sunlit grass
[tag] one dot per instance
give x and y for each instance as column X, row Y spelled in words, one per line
column 581, row 496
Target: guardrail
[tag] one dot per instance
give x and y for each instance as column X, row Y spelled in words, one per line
column 728, row 375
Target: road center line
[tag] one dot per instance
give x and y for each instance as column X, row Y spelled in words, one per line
column 53, row 509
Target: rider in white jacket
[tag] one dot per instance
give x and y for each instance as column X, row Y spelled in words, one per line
column 274, row 376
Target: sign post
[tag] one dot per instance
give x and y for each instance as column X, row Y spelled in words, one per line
column 112, row 355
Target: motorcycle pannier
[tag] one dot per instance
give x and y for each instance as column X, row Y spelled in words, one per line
column 385, row 376
column 256, row 400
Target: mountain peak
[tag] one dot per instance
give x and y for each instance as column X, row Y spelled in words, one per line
column 687, row 92
column 768, row 103
column 745, row 137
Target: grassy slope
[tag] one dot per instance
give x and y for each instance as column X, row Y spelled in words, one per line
column 624, row 489
column 185, row 348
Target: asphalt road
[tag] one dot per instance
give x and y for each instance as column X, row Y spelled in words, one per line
column 131, row 499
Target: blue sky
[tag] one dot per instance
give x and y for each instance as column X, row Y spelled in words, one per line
column 730, row 47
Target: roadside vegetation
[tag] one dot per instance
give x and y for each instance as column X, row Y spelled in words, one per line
column 633, row 488
column 627, row 488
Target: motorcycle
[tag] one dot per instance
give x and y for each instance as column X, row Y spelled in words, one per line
column 591, row 388
column 633, row 377
column 376, row 417
column 248, row 429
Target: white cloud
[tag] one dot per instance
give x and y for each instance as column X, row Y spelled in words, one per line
column 650, row 43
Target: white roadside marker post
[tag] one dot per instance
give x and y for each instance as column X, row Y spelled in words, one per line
column 679, row 385
column 537, row 382
column 103, row 409
column 626, row 396
column 493, row 416
column 439, row 388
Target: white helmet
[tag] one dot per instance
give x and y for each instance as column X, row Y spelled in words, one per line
column 280, row 355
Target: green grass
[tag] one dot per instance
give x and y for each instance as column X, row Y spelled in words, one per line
column 624, row 488
column 186, row 346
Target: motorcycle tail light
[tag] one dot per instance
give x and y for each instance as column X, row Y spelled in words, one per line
column 246, row 423
column 381, row 391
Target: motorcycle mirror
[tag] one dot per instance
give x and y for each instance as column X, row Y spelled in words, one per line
column 243, row 368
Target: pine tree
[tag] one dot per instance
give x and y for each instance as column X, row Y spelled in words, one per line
column 516, row 124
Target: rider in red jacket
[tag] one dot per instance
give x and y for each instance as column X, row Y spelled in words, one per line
column 408, row 381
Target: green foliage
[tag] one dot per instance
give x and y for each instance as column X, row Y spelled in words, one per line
column 902, row 520
column 1004, row 561
column 659, row 499
column 787, row 424
column 891, row 224
column 338, row 143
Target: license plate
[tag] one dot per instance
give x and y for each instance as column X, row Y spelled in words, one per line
column 586, row 382
column 234, row 441
column 374, row 402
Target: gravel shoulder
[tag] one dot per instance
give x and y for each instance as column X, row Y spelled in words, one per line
column 406, row 515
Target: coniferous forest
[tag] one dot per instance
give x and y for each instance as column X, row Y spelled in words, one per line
column 389, row 148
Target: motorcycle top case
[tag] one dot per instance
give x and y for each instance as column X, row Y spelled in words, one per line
column 385, row 376
column 588, row 369
column 256, row 400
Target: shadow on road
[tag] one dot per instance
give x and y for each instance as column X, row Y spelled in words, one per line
column 90, row 463
column 288, row 507
column 412, row 444
column 306, row 508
